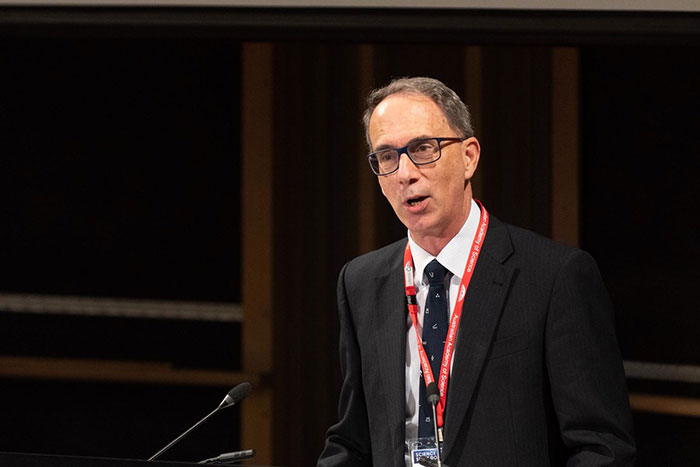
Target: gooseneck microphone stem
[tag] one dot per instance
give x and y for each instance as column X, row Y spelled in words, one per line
column 233, row 397
column 437, row 440
column 173, row 442
column 433, row 396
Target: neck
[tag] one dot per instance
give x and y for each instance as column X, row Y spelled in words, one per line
column 434, row 244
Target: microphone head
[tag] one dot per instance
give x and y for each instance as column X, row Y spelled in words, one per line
column 432, row 393
column 236, row 395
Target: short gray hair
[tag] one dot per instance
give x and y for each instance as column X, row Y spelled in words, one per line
column 447, row 100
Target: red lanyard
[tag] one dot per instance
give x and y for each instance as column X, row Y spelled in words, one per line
column 456, row 313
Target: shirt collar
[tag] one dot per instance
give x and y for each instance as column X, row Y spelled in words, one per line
column 454, row 255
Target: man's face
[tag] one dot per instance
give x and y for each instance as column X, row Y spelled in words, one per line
column 430, row 200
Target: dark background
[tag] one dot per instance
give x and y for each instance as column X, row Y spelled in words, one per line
column 120, row 162
column 640, row 196
column 120, row 149
column 119, row 179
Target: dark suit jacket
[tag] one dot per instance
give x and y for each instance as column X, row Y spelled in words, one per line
column 537, row 378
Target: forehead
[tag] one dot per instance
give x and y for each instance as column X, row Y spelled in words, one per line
column 402, row 117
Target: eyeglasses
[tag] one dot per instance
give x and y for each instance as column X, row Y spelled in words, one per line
column 420, row 151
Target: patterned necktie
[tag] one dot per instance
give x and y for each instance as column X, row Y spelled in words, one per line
column 434, row 335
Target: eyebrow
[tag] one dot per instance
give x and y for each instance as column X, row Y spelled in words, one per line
column 383, row 147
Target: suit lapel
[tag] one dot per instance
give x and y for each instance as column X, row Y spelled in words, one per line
column 390, row 320
column 482, row 310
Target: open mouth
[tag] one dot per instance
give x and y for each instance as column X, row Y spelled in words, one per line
column 416, row 201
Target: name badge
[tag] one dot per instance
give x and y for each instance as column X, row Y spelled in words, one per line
column 423, row 452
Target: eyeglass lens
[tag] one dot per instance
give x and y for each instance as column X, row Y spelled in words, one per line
column 420, row 152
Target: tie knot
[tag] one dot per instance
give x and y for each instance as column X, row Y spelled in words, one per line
column 435, row 273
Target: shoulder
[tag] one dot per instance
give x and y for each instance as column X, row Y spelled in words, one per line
column 376, row 263
column 529, row 249
column 361, row 278
column 528, row 241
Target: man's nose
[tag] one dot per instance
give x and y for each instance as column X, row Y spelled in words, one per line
column 408, row 171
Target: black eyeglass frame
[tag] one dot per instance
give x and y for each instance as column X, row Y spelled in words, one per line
column 404, row 150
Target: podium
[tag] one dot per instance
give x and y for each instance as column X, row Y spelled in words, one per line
column 11, row 459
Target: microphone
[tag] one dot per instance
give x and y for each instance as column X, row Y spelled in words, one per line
column 233, row 397
column 229, row 457
column 433, row 396
column 236, row 395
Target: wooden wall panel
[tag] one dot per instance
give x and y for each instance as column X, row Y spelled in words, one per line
column 565, row 145
column 316, row 231
column 257, row 247
column 516, row 138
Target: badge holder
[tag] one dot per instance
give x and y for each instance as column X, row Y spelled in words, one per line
column 423, row 452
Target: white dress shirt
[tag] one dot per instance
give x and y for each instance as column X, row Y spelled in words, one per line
column 454, row 258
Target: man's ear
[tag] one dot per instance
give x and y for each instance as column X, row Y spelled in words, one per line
column 471, row 150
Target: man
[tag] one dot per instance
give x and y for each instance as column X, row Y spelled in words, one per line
column 525, row 356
